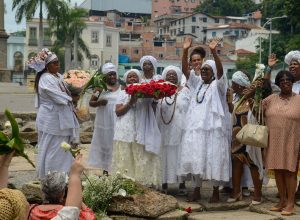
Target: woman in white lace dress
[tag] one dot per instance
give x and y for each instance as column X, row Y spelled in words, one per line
column 171, row 113
column 205, row 146
column 100, row 155
column 137, row 137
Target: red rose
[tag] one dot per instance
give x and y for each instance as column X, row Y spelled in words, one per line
column 188, row 210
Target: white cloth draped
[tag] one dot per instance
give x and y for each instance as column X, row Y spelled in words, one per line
column 55, row 122
column 255, row 152
column 100, row 154
column 205, row 145
column 296, row 87
column 137, row 142
column 172, row 133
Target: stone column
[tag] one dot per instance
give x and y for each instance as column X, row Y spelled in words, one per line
column 2, row 16
column 4, row 73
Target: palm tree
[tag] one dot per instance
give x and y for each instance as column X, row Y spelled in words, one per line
column 27, row 9
column 68, row 32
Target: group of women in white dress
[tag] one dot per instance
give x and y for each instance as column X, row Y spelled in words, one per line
column 170, row 140
column 188, row 136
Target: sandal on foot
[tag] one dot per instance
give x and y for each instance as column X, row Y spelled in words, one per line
column 286, row 213
column 238, row 198
column 276, row 209
column 253, row 202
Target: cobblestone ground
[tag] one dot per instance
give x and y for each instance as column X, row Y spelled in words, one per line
column 21, row 99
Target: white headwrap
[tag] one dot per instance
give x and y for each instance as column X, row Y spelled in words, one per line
column 39, row 62
column 132, row 70
column 151, row 59
column 292, row 55
column 174, row 68
column 109, row 67
column 241, row 79
column 212, row 64
column 50, row 58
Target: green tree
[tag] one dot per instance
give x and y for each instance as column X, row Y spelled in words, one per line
column 247, row 64
column 27, row 9
column 227, row 7
column 289, row 37
column 68, row 30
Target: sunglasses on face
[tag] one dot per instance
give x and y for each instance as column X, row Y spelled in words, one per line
column 205, row 69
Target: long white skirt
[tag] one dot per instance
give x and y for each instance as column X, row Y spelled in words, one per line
column 51, row 157
column 170, row 163
column 142, row 165
column 206, row 153
column 100, row 155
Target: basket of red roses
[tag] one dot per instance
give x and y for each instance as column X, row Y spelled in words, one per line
column 154, row 89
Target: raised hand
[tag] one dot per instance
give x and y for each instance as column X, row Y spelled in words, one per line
column 213, row 43
column 187, row 43
column 272, row 60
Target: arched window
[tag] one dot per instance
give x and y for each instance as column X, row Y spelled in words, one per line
column 95, row 61
column 32, row 54
column 18, row 61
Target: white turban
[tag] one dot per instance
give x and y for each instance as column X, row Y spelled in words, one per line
column 241, row 79
column 132, row 70
column 212, row 64
column 109, row 67
column 151, row 59
column 50, row 58
column 44, row 57
column 292, row 55
column 174, row 68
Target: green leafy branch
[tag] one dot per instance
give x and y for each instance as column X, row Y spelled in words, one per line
column 15, row 142
column 96, row 81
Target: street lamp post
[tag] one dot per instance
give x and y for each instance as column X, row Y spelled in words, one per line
column 269, row 21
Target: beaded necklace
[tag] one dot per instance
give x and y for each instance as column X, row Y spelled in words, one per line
column 173, row 113
column 197, row 96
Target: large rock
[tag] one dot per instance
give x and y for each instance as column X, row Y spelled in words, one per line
column 86, row 137
column 87, row 126
column 33, row 192
column 149, row 204
column 20, row 121
column 32, row 137
column 28, row 127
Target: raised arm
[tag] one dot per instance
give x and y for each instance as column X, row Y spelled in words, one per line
column 74, row 196
column 4, row 164
column 272, row 60
column 185, row 64
column 212, row 46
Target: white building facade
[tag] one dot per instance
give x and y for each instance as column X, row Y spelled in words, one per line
column 102, row 42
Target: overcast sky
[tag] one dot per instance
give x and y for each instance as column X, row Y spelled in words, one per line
column 9, row 18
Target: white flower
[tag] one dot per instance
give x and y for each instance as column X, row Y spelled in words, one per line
column 122, row 192
column 118, row 173
column 259, row 71
column 126, row 171
column 64, row 145
column 7, row 124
